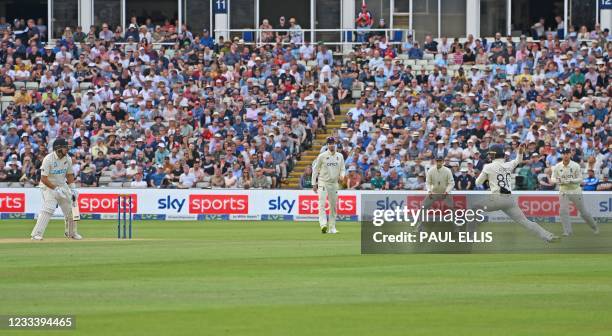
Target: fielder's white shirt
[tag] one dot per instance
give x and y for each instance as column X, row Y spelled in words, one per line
column 499, row 174
column 568, row 177
column 328, row 167
column 439, row 180
column 55, row 169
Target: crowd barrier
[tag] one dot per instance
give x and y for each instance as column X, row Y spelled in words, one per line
column 229, row 204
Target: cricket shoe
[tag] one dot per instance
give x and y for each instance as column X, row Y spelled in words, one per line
column 324, row 229
column 333, row 231
column 553, row 239
column 596, row 230
column 37, row 237
column 74, row 236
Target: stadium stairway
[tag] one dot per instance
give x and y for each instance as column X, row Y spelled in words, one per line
column 293, row 180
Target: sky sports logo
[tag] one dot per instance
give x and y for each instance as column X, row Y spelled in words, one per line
column 104, row 203
column 12, row 202
column 309, row 205
column 219, row 204
column 543, row 206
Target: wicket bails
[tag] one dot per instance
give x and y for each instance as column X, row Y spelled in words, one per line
column 124, row 206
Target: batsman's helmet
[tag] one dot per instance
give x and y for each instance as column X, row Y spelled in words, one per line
column 60, row 143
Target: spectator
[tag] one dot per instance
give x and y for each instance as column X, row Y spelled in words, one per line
column 590, row 182
column 157, row 177
column 88, row 176
column 282, row 36
column 266, row 36
column 377, row 182
column 218, row 180
column 138, row 181
column 295, row 32
column 245, row 181
column 544, row 180
column 464, row 181
column 306, row 178
column 187, row 179
column 353, row 180
column 118, row 172
column 261, row 181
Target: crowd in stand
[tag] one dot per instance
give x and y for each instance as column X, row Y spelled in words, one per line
column 202, row 112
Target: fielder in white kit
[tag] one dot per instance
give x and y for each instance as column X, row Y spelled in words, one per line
column 568, row 175
column 439, row 182
column 499, row 173
column 57, row 186
column 327, row 170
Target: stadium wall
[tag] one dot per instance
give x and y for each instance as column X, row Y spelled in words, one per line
column 228, row 204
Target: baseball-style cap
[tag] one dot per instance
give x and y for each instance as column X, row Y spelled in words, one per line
column 566, row 151
column 440, row 158
column 331, row 140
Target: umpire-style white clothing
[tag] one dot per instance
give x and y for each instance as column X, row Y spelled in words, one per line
column 569, row 177
column 499, row 174
column 327, row 168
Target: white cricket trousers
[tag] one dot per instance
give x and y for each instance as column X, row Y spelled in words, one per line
column 508, row 205
column 430, row 199
column 564, row 203
column 50, row 202
column 329, row 192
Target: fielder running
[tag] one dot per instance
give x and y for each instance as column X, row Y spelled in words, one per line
column 439, row 182
column 327, row 170
column 567, row 174
column 57, row 186
column 498, row 173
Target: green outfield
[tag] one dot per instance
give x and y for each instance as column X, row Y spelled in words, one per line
column 285, row 278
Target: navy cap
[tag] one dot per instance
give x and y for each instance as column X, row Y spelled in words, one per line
column 566, row 151
column 331, row 140
column 440, row 158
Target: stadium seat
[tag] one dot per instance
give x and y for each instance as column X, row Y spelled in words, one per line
column 127, row 184
column 422, row 62
column 575, row 105
column 3, row 184
column 115, row 184
column 85, row 85
column 19, row 84
column 32, row 85
column 410, row 62
column 203, row 185
column 356, row 94
column 104, row 180
column 15, row 185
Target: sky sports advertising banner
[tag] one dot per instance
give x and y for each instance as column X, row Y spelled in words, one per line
column 468, row 227
column 485, row 223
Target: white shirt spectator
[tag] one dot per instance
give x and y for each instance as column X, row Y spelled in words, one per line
column 187, row 179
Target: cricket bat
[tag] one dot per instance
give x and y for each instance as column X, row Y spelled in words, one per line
column 76, row 215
